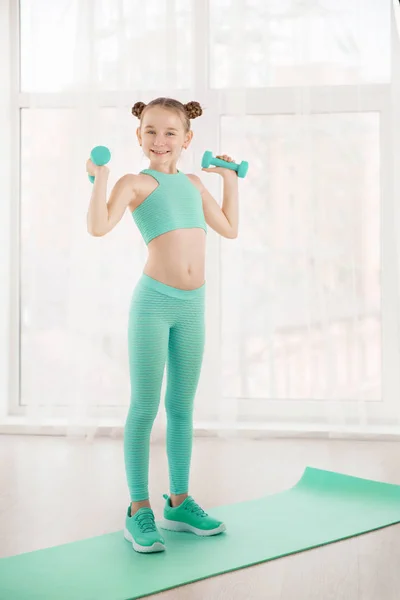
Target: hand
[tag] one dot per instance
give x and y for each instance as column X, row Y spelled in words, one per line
column 222, row 170
column 93, row 169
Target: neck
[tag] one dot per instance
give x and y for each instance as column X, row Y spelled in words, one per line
column 167, row 169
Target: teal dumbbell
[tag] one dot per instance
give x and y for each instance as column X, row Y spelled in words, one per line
column 209, row 159
column 100, row 155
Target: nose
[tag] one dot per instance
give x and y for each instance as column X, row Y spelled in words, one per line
column 159, row 141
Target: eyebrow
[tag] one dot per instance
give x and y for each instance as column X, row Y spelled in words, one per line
column 152, row 127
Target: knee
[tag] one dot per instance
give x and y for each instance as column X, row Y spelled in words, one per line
column 179, row 413
column 142, row 413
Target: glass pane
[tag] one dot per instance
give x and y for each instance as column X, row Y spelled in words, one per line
column 75, row 288
column 68, row 45
column 299, row 42
column 301, row 284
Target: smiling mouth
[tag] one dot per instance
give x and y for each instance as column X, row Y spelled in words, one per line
column 159, row 153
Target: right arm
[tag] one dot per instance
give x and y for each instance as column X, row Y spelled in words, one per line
column 103, row 216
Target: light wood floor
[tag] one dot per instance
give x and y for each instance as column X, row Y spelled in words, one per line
column 43, row 477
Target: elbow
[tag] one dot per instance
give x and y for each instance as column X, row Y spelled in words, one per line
column 232, row 235
column 96, row 232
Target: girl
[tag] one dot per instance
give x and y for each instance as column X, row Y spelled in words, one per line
column 166, row 318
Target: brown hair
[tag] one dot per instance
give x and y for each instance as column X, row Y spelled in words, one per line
column 190, row 110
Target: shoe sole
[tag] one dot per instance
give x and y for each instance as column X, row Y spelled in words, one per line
column 185, row 527
column 156, row 547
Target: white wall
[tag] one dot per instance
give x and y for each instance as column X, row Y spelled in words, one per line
column 5, row 204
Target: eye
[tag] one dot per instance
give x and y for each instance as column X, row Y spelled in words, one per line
column 170, row 133
column 150, row 131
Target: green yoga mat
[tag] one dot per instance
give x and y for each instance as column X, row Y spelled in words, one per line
column 322, row 507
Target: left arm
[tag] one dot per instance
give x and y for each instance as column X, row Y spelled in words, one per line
column 225, row 220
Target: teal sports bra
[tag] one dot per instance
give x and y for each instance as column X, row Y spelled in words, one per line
column 175, row 204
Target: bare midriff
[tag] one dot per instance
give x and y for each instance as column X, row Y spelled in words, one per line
column 177, row 258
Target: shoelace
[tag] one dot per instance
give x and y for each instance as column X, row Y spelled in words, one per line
column 193, row 507
column 146, row 522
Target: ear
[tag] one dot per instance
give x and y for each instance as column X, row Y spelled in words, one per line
column 139, row 136
column 188, row 139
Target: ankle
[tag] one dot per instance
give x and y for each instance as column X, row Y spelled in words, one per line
column 177, row 499
column 135, row 506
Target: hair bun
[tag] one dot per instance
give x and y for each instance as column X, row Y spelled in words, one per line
column 193, row 109
column 138, row 108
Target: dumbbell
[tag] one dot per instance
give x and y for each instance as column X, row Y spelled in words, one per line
column 100, row 155
column 209, row 159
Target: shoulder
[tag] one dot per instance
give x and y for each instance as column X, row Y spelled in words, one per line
column 196, row 181
column 130, row 180
column 133, row 183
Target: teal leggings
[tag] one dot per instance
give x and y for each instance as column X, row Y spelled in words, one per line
column 166, row 328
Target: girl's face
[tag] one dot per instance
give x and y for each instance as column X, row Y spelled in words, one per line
column 162, row 135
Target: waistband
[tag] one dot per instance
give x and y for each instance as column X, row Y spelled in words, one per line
column 168, row 290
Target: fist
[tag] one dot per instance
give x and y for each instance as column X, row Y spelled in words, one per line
column 93, row 169
column 225, row 157
column 222, row 170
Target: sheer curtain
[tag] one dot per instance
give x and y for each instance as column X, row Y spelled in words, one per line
column 302, row 308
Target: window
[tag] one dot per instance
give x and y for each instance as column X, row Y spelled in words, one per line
column 301, row 288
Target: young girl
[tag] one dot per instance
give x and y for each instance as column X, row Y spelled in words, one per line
column 166, row 319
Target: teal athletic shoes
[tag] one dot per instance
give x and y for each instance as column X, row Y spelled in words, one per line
column 142, row 532
column 189, row 517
